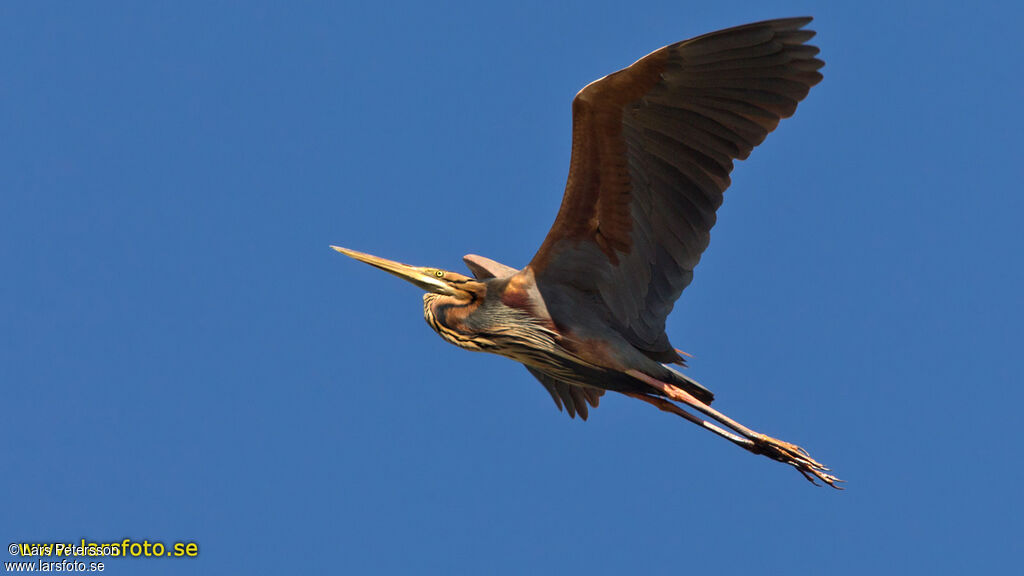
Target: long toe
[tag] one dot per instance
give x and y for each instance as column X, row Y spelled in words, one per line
column 796, row 457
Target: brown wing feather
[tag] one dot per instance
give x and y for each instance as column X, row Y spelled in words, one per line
column 575, row 398
column 652, row 149
column 596, row 202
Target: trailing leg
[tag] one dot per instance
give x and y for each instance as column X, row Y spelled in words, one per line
column 748, row 439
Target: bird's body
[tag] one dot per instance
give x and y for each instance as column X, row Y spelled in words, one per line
column 653, row 146
column 585, row 355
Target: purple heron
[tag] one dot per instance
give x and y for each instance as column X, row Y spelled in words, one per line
column 652, row 148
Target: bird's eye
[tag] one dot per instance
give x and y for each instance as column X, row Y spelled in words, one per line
column 439, row 274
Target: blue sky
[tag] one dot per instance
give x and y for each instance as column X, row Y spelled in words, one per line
column 182, row 358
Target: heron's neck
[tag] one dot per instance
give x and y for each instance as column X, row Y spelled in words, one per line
column 487, row 325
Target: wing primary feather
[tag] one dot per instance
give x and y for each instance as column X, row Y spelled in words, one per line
column 574, row 398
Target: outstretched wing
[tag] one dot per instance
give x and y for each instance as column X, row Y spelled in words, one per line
column 652, row 149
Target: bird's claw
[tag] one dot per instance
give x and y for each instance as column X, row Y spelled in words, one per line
column 796, row 457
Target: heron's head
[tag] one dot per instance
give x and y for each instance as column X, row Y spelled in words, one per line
column 433, row 280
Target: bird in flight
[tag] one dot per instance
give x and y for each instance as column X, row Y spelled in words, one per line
column 652, row 148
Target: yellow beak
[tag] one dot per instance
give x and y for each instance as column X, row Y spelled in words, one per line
column 418, row 276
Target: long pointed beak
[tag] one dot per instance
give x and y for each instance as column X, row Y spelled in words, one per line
column 417, row 276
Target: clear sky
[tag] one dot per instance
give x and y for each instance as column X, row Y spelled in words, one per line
column 183, row 359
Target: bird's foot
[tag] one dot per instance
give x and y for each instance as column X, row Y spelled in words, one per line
column 796, row 457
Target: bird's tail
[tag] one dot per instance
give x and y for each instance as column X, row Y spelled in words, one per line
column 691, row 386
